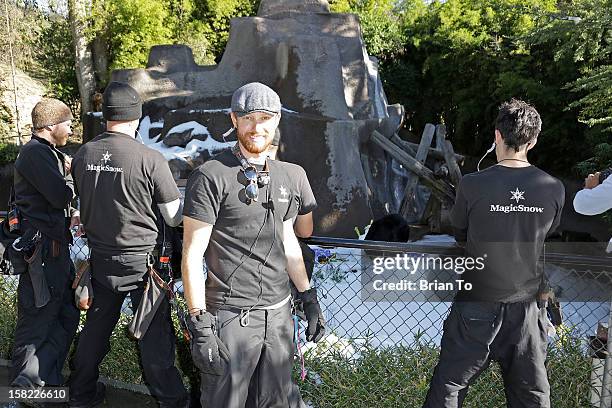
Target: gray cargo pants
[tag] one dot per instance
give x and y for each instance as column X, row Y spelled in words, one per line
column 513, row 334
column 261, row 355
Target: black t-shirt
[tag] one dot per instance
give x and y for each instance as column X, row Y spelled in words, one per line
column 120, row 181
column 245, row 251
column 506, row 213
column 305, row 199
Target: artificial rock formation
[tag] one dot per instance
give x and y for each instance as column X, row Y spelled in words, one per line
column 331, row 94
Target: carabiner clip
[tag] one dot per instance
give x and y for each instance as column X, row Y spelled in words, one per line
column 245, row 317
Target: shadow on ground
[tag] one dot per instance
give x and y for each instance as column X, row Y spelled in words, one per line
column 115, row 398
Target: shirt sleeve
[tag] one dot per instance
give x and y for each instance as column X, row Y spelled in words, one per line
column 459, row 214
column 202, row 198
column 41, row 169
column 560, row 203
column 595, row 200
column 306, row 201
column 165, row 189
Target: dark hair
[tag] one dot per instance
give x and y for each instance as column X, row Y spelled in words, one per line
column 518, row 122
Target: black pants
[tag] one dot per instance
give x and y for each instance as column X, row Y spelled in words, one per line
column 157, row 346
column 261, row 358
column 43, row 335
column 475, row 333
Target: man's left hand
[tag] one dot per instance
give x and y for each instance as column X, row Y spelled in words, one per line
column 314, row 316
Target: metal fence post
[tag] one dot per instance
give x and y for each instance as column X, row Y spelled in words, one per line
column 606, row 389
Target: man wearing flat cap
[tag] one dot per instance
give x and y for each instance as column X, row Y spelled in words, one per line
column 123, row 187
column 238, row 213
column 43, row 190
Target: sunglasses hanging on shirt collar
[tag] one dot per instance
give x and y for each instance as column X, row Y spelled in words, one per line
column 256, row 179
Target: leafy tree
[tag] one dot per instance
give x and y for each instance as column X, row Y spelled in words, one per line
column 462, row 58
column 583, row 40
column 132, row 28
column 381, row 24
column 54, row 48
column 213, row 17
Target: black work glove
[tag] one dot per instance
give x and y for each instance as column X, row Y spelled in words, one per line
column 208, row 352
column 312, row 310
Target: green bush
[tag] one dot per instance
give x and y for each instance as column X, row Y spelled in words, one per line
column 399, row 376
column 8, row 314
column 8, row 153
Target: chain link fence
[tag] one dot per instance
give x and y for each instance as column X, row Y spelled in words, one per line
column 380, row 352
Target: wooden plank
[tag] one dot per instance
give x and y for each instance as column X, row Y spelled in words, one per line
column 403, row 144
column 365, row 162
column 437, row 153
column 449, row 154
column 425, row 144
column 407, row 208
column 438, row 188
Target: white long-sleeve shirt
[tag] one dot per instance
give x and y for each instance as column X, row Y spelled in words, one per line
column 595, row 201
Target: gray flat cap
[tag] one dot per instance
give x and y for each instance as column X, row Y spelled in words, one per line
column 255, row 97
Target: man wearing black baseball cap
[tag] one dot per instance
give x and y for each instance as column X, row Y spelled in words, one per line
column 123, row 186
column 47, row 319
column 238, row 213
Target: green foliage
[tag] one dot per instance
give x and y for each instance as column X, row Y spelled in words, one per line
column 55, row 50
column 381, row 24
column 8, row 314
column 131, row 29
column 8, row 152
column 6, row 120
column 461, row 58
column 399, row 376
column 214, row 17
column 24, row 30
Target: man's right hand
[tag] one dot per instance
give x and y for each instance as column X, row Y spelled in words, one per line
column 314, row 316
column 591, row 181
column 208, row 352
column 67, row 163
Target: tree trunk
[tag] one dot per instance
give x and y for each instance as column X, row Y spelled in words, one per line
column 99, row 47
column 77, row 11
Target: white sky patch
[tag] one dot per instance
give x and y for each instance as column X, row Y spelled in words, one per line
column 191, row 150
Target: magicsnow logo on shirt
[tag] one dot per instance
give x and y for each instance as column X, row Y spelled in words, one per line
column 284, row 198
column 104, row 167
column 518, row 196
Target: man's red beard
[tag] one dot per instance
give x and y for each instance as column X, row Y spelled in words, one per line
column 251, row 147
column 59, row 138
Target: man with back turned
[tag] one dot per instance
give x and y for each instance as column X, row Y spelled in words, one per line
column 123, row 186
column 502, row 214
